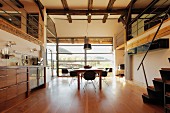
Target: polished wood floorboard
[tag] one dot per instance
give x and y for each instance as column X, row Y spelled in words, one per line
column 59, row 97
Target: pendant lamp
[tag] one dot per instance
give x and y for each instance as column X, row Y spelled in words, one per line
column 87, row 46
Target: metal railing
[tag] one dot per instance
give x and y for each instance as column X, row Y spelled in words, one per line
column 141, row 64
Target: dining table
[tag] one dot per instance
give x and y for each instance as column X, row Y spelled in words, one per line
column 82, row 70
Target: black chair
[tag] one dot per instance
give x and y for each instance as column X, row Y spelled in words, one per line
column 64, row 71
column 73, row 74
column 104, row 74
column 89, row 75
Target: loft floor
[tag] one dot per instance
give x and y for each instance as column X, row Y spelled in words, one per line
column 59, row 97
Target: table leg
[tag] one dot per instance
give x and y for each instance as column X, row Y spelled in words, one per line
column 100, row 81
column 78, row 81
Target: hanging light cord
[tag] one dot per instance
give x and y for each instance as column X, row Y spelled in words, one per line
column 87, row 29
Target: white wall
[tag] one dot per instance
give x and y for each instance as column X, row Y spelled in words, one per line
column 78, row 28
column 119, row 59
column 154, row 61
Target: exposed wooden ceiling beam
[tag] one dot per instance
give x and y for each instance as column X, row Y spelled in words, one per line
column 130, row 10
column 84, row 12
column 109, row 8
column 17, row 3
column 90, row 7
column 90, row 4
column 89, row 18
column 66, row 8
column 110, row 4
column 40, row 7
column 65, row 5
column 104, row 18
column 143, row 12
column 102, row 12
column 69, row 18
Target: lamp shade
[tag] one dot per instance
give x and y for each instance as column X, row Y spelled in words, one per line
column 87, row 46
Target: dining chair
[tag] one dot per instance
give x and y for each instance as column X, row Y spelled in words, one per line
column 64, row 71
column 73, row 74
column 89, row 75
column 104, row 75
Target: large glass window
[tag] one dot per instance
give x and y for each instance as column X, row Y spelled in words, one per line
column 71, row 54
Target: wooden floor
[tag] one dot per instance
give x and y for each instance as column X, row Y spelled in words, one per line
column 59, row 97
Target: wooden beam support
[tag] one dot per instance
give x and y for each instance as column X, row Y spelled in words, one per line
column 69, row 18
column 90, row 4
column 84, row 12
column 102, row 12
column 105, row 18
column 89, row 18
column 109, row 8
column 66, row 8
column 17, row 3
column 90, row 7
column 130, row 10
column 40, row 7
column 110, row 4
column 143, row 12
column 65, row 5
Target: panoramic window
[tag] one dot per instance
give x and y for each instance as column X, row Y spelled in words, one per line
column 71, row 54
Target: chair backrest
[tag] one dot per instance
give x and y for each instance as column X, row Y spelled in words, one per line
column 104, row 73
column 64, row 71
column 73, row 73
column 89, row 75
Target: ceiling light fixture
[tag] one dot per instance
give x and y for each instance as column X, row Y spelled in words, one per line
column 87, row 46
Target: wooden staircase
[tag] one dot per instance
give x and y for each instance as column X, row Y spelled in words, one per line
column 160, row 92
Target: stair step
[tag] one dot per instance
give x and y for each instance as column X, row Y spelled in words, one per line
column 167, row 106
column 167, row 94
column 158, row 85
column 151, row 88
column 165, row 68
column 158, row 79
column 146, row 95
column 168, row 82
column 147, row 99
